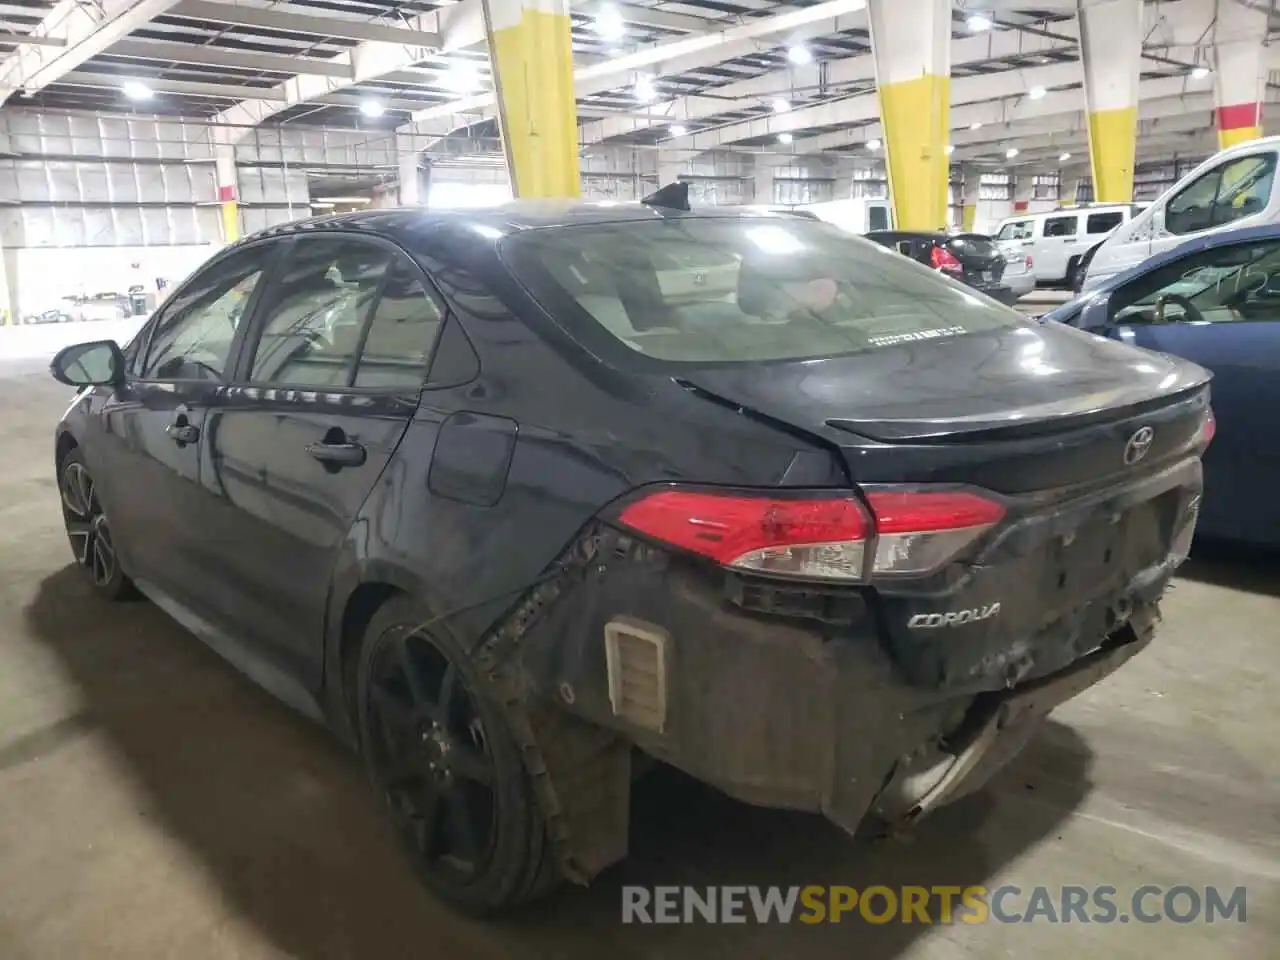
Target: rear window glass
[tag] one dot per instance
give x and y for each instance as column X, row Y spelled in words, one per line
column 1102, row 222
column 709, row 290
column 973, row 245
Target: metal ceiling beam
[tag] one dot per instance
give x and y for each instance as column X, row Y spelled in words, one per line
column 330, row 25
column 111, row 81
column 86, row 29
column 176, row 52
column 21, row 39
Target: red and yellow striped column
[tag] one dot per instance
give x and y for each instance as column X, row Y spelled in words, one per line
column 1111, row 51
column 224, row 169
column 1241, row 64
column 911, row 47
column 532, row 62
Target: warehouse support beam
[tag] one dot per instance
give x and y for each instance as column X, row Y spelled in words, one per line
column 84, row 29
column 532, row 58
column 1111, row 51
column 224, row 171
column 1242, row 65
column 911, row 46
column 971, row 193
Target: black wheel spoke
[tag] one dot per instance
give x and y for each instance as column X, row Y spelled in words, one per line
column 427, row 819
column 413, row 675
column 391, row 709
column 469, row 763
column 79, row 528
column 403, row 773
column 444, row 703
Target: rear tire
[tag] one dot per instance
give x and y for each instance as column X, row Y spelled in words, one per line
column 92, row 540
column 1073, row 274
column 439, row 752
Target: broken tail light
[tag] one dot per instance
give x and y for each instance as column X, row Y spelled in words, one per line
column 912, row 532
column 1210, row 427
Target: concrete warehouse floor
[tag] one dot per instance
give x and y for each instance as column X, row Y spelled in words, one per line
column 154, row 803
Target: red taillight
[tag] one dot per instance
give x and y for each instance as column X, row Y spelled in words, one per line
column 1210, row 427
column 915, row 531
column 1030, row 263
column 943, row 259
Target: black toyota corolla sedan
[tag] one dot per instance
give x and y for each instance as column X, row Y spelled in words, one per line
column 511, row 498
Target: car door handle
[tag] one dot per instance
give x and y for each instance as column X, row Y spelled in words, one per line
column 338, row 454
column 182, row 433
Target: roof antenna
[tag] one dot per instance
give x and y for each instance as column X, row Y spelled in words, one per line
column 674, row 196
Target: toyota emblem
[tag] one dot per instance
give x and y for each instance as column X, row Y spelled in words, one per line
column 1138, row 445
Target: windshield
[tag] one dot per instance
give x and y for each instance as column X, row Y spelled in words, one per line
column 708, row 290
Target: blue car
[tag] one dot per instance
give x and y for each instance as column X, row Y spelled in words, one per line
column 1216, row 301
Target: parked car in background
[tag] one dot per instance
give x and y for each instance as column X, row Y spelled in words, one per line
column 970, row 258
column 1214, row 300
column 1058, row 240
column 859, row 215
column 503, row 499
column 1233, row 189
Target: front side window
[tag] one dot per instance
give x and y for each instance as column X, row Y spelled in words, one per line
column 1061, row 226
column 878, row 218
column 1103, row 222
column 317, row 312
column 1019, row 230
column 1230, row 192
column 783, row 289
column 1221, row 285
column 192, row 338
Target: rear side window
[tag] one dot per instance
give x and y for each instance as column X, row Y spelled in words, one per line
column 1061, row 226
column 705, row 290
column 401, row 333
column 972, row 245
column 877, row 218
column 1230, row 192
column 1103, row 222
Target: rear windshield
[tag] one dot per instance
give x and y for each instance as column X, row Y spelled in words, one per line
column 973, row 245
column 705, row 290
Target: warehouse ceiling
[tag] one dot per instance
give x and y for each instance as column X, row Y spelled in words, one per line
column 379, row 64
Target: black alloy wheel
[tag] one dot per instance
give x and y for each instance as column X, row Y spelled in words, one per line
column 88, row 531
column 440, row 755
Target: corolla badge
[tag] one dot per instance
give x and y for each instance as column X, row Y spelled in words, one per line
column 953, row 618
column 1138, row 445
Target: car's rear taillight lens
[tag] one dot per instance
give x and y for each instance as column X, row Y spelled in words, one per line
column 1210, row 427
column 913, row 531
column 943, row 259
column 1030, row 262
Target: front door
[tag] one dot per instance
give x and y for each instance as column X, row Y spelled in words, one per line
column 153, row 424
column 1059, row 242
column 1221, row 308
column 322, row 395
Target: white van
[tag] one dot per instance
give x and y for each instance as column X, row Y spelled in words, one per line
column 1056, row 240
column 1235, row 188
column 857, row 215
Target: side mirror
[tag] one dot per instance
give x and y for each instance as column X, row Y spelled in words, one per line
column 97, row 363
column 1094, row 315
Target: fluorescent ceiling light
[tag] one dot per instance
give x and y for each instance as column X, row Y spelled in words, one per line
column 645, row 90
column 609, row 23
column 951, row 148
column 371, row 108
column 781, row 106
column 331, row 201
column 1036, row 93
column 799, row 55
column 1200, row 72
column 976, row 125
column 1011, row 153
column 873, row 144
column 977, row 23
column 1064, row 158
column 785, row 138
column 322, row 204
column 136, row 90
column 677, row 130
column 462, row 76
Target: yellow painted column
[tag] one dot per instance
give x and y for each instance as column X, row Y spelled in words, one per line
column 529, row 48
column 1111, row 52
column 911, row 47
column 1241, row 66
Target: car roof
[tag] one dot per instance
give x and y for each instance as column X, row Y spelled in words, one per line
column 1067, row 211
column 513, row 217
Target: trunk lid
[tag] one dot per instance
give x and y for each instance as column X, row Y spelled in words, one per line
column 1031, row 407
column 979, row 256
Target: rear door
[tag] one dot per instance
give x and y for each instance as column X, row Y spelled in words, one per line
column 324, row 390
column 153, row 426
column 1059, row 242
column 1221, row 308
column 1015, row 237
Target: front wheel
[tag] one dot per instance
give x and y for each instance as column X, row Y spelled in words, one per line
column 92, row 540
column 440, row 754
